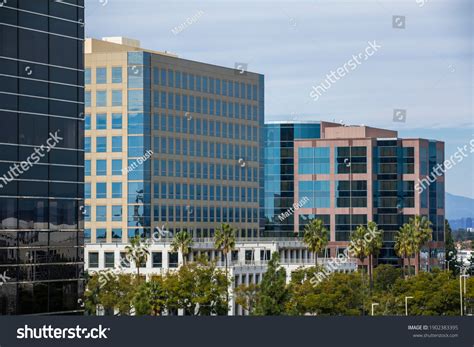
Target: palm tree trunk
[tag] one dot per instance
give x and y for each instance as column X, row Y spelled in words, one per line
column 227, row 287
column 418, row 267
column 403, row 266
column 370, row 271
column 316, row 259
column 409, row 265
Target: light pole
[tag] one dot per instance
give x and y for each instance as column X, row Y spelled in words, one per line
column 373, row 305
column 406, row 304
column 461, row 290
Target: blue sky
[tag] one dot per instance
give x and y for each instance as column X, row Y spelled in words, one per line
column 425, row 68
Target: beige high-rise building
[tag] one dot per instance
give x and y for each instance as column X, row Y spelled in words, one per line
column 169, row 142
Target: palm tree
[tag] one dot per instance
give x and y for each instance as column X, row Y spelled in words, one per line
column 404, row 245
column 358, row 243
column 224, row 240
column 422, row 233
column 374, row 245
column 315, row 237
column 182, row 242
column 138, row 251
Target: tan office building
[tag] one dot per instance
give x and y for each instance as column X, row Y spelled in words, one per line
column 169, row 142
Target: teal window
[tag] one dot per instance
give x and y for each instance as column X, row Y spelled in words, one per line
column 101, row 213
column 87, row 167
column 87, row 122
column 101, row 190
column 101, row 144
column 116, row 143
column 101, row 75
column 87, row 76
column 101, row 235
column 117, row 74
column 101, row 121
column 101, row 98
column 117, row 235
column 87, row 144
column 87, row 190
column 313, row 161
column 116, row 121
column 116, row 190
column 116, row 97
column 116, row 213
column 316, row 193
column 87, row 99
column 117, row 167
column 101, row 167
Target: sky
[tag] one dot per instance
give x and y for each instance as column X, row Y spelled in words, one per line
column 423, row 64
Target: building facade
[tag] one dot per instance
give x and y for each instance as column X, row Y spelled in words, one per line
column 349, row 175
column 171, row 144
column 41, row 156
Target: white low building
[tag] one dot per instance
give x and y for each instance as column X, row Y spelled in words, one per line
column 246, row 264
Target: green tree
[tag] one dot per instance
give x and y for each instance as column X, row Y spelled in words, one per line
column 422, row 233
column 273, row 294
column 385, row 277
column 150, row 298
column 224, row 240
column 182, row 242
column 246, row 296
column 113, row 295
column 202, row 289
column 404, row 245
column 340, row 294
column 315, row 237
column 138, row 252
column 451, row 256
column 374, row 245
column 359, row 246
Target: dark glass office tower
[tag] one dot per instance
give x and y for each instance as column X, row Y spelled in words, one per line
column 41, row 156
column 279, row 173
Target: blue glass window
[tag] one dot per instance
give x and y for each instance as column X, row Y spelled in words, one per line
column 116, row 213
column 87, row 76
column 101, row 121
column 87, row 167
column 117, row 74
column 101, row 144
column 116, row 189
column 87, row 122
column 313, row 160
column 101, row 98
column 101, row 167
column 117, row 167
column 116, row 143
column 116, row 121
column 87, row 190
column 317, row 193
column 101, row 190
column 101, row 214
column 116, row 97
column 87, row 99
column 101, row 75
column 87, row 144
